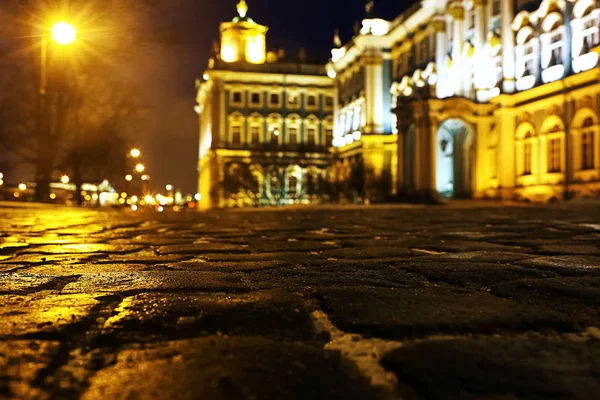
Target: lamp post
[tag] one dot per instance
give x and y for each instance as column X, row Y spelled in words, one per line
column 62, row 34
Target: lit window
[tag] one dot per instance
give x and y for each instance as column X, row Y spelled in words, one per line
column 293, row 100
column 554, row 155
column 311, row 101
column 293, row 136
column 328, row 137
column 527, row 158
column 293, row 185
column 311, row 137
column 587, row 150
column 275, row 137
column 236, row 137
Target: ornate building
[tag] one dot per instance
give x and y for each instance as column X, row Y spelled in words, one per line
column 266, row 125
column 459, row 98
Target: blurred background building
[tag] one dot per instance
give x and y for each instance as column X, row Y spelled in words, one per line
column 478, row 98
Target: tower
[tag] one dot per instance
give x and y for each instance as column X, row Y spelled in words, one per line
column 242, row 39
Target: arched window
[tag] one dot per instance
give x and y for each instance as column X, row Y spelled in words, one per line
column 585, row 34
column 527, row 155
column 587, row 145
column 552, row 43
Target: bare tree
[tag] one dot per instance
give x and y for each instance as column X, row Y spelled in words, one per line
column 89, row 108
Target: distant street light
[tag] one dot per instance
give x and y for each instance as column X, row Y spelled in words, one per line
column 145, row 177
column 65, row 179
column 140, row 168
column 1, row 175
column 22, row 186
column 135, row 153
column 128, row 178
column 64, row 33
column 169, row 187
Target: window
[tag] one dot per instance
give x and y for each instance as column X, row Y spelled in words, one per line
column 554, row 155
column 328, row 137
column 495, row 7
column 274, row 185
column 293, row 136
column 255, row 99
column 275, row 137
column 293, row 100
column 236, row 138
column 472, row 19
column 311, row 137
column 236, row 98
column 587, row 150
column 293, row 185
column 527, row 158
column 255, row 133
column 311, row 101
column 274, row 99
column 329, row 102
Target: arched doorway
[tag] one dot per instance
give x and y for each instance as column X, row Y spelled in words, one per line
column 454, row 159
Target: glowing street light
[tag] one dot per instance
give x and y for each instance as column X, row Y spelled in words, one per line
column 135, row 153
column 145, row 177
column 64, row 33
column 65, row 179
column 169, row 187
column 128, row 178
column 140, row 168
column 22, row 186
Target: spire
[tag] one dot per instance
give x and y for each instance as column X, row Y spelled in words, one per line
column 337, row 42
column 242, row 9
column 370, row 9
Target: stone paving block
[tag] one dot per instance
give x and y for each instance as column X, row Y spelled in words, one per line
column 567, row 265
column 43, row 312
column 473, row 275
column 489, row 368
column 23, row 283
column 400, row 313
column 183, row 281
column 155, row 316
column 231, row 266
column 316, row 275
column 358, row 253
column 202, row 248
column 283, row 256
column 20, row 362
column 27, row 259
column 562, row 249
column 82, row 248
column 219, row 368
column 579, row 297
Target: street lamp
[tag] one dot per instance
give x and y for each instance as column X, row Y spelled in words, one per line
column 64, row 33
column 169, row 187
column 65, row 179
column 22, row 187
column 140, row 168
column 128, row 178
column 135, row 153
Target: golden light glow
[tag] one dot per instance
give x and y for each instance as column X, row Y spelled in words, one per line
column 128, row 178
column 52, row 196
column 256, row 49
column 135, row 153
column 228, row 53
column 140, row 168
column 149, row 199
column 134, row 199
column 134, row 208
column 1, row 175
column 65, row 179
column 145, row 177
column 22, row 186
column 64, row 33
column 169, row 187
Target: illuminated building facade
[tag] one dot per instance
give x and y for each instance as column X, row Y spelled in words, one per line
column 487, row 99
column 453, row 98
column 266, row 125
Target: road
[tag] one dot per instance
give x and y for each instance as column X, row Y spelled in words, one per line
column 446, row 302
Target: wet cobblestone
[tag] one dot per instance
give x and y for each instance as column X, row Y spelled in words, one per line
column 468, row 301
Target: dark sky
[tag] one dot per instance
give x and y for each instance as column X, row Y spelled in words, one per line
column 167, row 73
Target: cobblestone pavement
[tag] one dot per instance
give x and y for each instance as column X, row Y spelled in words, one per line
column 355, row 303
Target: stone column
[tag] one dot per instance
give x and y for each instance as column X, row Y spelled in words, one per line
column 508, row 46
column 481, row 24
column 458, row 15
column 374, row 91
column 439, row 24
